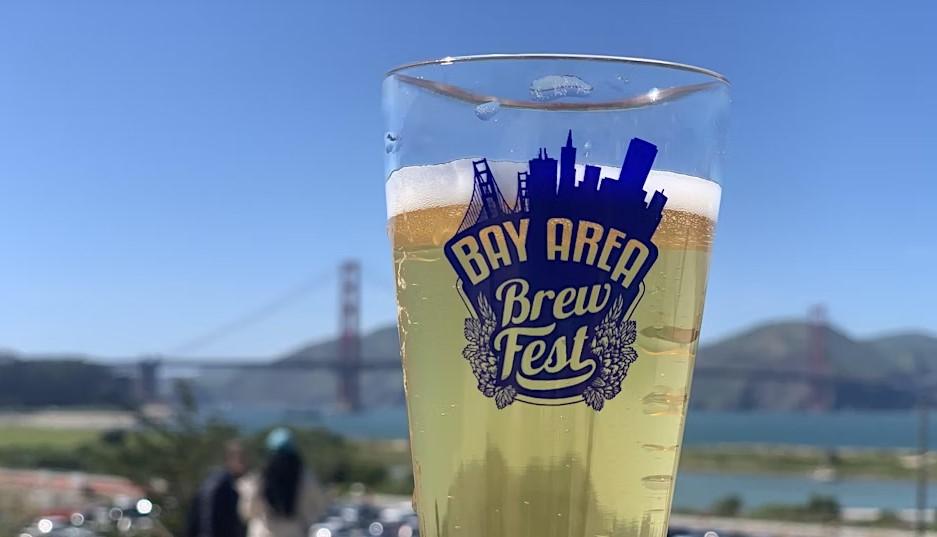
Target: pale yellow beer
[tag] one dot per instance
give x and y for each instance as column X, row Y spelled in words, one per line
column 545, row 471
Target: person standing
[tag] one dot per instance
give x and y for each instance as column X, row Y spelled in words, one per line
column 214, row 510
column 285, row 499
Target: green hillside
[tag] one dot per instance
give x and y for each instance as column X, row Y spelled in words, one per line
column 309, row 389
column 869, row 374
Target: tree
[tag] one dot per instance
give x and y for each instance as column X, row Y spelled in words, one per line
column 168, row 459
column 729, row 506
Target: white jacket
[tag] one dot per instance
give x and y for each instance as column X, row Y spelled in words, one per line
column 263, row 522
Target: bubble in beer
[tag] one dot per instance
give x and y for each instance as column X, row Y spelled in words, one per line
column 657, row 482
column 391, row 140
column 486, row 111
column 551, row 87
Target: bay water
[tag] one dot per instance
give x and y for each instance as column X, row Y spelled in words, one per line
column 854, row 430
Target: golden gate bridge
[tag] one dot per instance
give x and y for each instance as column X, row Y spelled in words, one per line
column 346, row 366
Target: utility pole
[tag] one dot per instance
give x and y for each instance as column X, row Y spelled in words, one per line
column 923, row 404
column 822, row 397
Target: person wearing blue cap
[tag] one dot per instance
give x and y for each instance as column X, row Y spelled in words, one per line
column 285, row 499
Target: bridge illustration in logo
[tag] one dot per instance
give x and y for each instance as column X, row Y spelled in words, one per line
column 548, row 183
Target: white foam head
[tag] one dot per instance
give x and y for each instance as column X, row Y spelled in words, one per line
column 440, row 185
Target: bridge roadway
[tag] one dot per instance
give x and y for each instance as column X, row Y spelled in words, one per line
column 290, row 365
column 334, row 364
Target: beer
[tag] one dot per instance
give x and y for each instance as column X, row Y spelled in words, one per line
column 543, row 470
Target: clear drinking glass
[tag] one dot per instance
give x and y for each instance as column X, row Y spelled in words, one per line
column 551, row 219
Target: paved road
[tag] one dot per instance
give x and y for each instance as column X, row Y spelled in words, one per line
column 767, row 528
column 98, row 420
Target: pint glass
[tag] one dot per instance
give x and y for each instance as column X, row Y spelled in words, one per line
column 551, row 220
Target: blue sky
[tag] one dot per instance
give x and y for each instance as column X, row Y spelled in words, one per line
column 167, row 167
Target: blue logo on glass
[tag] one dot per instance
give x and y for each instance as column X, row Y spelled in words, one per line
column 551, row 280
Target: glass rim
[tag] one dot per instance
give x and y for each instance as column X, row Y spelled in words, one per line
column 633, row 60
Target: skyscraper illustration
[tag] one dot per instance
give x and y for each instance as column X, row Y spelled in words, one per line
column 523, row 196
column 567, row 167
column 549, row 187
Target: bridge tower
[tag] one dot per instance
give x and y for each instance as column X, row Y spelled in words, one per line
column 821, row 396
column 487, row 202
column 492, row 201
column 148, row 380
column 349, row 352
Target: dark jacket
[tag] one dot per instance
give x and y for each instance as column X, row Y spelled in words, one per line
column 214, row 510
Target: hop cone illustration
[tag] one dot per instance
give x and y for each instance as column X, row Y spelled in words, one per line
column 478, row 353
column 612, row 346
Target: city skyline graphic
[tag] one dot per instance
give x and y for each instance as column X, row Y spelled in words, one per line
column 551, row 186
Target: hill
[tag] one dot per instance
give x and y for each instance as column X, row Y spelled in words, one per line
column 61, row 381
column 302, row 389
column 909, row 351
column 874, row 373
